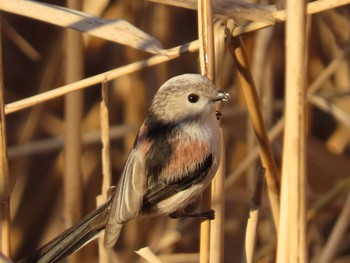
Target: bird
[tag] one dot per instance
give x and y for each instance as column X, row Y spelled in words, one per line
column 175, row 155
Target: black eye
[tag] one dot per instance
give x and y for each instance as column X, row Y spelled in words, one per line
column 193, row 98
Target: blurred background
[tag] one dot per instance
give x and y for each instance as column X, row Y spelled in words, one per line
column 35, row 60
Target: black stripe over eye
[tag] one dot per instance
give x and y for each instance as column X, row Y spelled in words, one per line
column 193, row 98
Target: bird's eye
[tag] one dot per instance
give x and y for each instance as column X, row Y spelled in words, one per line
column 193, row 98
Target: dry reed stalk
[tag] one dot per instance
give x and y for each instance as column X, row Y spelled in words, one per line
column 105, row 138
column 252, row 224
column 328, row 71
column 273, row 134
column 96, row 79
column 291, row 244
column 336, row 237
column 253, row 105
column 72, row 179
column 217, row 231
column 43, row 146
column 20, row 41
column 106, row 165
column 5, row 220
column 217, row 226
column 207, row 66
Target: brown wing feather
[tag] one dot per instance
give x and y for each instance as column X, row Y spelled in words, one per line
column 127, row 201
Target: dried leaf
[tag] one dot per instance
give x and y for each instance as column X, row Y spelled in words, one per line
column 117, row 30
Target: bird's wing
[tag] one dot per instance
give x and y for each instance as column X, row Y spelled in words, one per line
column 128, row 198
column 162, row 189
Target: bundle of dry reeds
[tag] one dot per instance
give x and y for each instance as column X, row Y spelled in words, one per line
column 75, row 84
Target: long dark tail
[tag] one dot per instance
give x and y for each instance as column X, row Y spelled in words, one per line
column 71, row 240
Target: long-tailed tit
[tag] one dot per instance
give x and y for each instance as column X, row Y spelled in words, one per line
column 175, row 155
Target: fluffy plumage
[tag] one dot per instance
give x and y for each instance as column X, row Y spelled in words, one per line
column 175, row 155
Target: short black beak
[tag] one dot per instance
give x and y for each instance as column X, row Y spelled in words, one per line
column 220, row 96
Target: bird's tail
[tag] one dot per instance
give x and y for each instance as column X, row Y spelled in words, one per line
column 74, row 238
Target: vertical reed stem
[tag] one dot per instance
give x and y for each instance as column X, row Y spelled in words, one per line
column 72, row 182
column 5, row 220
column 218, row 204
column 291, row 245
column 206, row 56
column 104, row 256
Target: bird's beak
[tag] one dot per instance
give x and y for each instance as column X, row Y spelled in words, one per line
column 220, row 96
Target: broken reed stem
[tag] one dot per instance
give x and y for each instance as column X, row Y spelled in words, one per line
column 336, row 237
column 206, row 57
column 253, row 219
column 105, row 138
column 238, row 52
column 291, row 243
column 5, row 220
column 106, row 164
column 72, row 180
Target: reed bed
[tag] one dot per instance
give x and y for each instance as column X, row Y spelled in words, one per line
column 75, row 85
